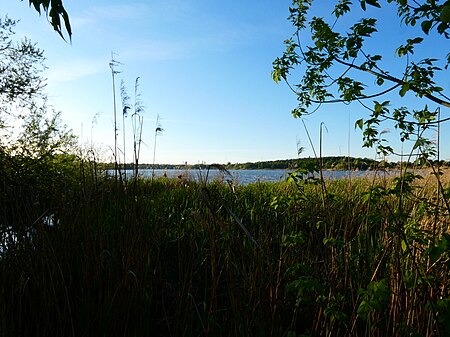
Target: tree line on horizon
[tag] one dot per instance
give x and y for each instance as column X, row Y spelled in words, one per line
column 326, row 163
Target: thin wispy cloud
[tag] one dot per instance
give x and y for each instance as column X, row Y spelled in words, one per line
column 74, row 69
column 163, row 30
column 209, row 41
column 98, row 15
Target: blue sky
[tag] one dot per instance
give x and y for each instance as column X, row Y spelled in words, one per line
column 204, row 68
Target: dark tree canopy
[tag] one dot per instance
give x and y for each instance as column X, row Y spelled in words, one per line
column 338, row 62
column 57, row 13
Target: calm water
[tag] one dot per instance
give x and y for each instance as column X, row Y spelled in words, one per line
column 243, row 177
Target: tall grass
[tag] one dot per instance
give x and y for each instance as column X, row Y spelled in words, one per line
column 85, row 256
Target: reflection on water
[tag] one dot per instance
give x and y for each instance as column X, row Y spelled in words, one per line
column 244, row 177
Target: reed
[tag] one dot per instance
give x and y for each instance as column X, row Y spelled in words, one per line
column 83, row 255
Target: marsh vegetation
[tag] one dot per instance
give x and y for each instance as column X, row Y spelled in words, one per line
column 88, row 255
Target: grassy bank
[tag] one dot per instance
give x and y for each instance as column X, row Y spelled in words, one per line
column 85, row 255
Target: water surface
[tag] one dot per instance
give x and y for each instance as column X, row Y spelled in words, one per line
column 244, row 177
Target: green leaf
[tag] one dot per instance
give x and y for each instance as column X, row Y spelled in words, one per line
column 55, row 10
column 437, row 251
column 404, row 89
column 373, row 3
column 426, row 25
column 403, row 245
column 374, row 299
column 376, row 58
column 445, row 13
column 359, row 123
column 276, row 77
column 363, row 4
column 415, row 40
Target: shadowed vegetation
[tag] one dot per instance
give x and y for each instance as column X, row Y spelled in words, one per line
column 85, row 256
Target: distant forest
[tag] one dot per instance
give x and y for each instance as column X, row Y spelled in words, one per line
column 327, row 163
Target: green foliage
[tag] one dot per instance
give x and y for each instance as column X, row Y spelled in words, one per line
column 337, row 63
column 177, row 257
column 28, row 126
column 374, row 298
column 441, row 249
column 20, row 69
column 43, row 136
column 56, row 11
column 307, row 166
column 336, row 58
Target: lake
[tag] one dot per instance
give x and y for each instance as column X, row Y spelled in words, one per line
column 244, row 177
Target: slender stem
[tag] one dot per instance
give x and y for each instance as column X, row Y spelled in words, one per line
column 112, row 64
column 124, row 146
column 154, row 155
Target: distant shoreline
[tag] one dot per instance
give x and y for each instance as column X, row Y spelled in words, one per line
column 334, row 163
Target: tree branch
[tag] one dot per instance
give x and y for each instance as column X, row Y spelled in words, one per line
column 396, row 80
